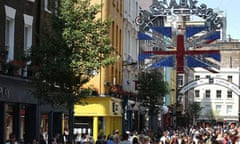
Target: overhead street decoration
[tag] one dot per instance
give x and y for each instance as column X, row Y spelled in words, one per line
column 214, row 81
column 183, row 8
column 183, row 42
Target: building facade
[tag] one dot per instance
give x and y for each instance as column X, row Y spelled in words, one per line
column 100, row 115
column 103, row 113
column 220, row 103
column 21, row 113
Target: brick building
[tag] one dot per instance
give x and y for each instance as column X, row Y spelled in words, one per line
column 20, row 111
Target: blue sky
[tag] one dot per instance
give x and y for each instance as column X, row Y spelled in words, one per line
column 231, row 9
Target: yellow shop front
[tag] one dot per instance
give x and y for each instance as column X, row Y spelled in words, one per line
column 98, row 115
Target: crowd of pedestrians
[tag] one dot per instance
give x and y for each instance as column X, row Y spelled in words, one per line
column 216, row 134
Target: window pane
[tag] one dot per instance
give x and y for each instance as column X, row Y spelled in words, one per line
column 229, row 78
column 219, row 93
column 197, row 77
column 7, row 33
column 218, row 108
column 180, row 80
column 197, row 93
column 25, row 38
column 208, row 93
column 229, row 94
column 229, row 109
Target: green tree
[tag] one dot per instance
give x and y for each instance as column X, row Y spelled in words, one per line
column 194, row 111
column 152, row 89
column 74, row 45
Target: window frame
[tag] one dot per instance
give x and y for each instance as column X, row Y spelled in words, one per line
column 197, row 93
column 10, row 15
column 229, row 78
column 229, row 94
column 227, row 110
column 197, row 77
column 217, row 94
column 46, row 6
column 218, row 108
column 208, row 93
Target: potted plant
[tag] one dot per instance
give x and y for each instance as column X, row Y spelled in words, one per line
column 15, row 67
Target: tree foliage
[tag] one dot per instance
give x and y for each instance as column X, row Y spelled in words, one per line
column 152, row 89
column 195, row 108
column 74, row 45
column 193, row 112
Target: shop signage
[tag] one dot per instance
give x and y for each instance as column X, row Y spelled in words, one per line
column 181, row 8
column 215, row 81
column 193, row 84
column 227, row 84
column 4, row 92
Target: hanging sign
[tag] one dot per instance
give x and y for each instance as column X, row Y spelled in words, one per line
column 206, row 81
column 182, row 8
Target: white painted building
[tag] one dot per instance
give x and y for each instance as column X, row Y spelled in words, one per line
column 218, row 103
column 130, row 44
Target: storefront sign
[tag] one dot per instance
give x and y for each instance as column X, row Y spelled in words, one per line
column 4, row 92
column 193, row 84
column 182, row 8
column 227, row 84
column 215, row 81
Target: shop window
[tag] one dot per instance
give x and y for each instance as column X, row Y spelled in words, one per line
column 83, row 125
column 8, row 120
column 101, row 125
column 44, row 122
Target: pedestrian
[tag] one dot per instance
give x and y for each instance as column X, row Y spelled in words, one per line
column 65, row 136
column 12, row 139
column 41, row 140
column 116, row 137
column 110, row 139
column 174, row 138
column 135, row 140
column 100, row 139
column 57, row 139
column 125, row 139
column 165, row 139
column 146, row 140
column 34, row 141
